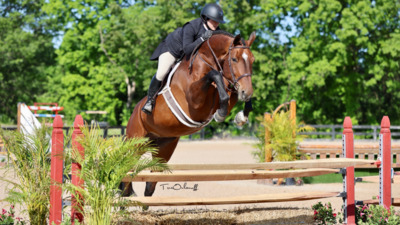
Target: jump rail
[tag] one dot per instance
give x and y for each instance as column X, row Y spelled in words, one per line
column 207, row 172
column 265, row 198
column 362, row 151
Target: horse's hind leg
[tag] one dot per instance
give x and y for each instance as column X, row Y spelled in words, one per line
column 126, row 189
column 166, row 148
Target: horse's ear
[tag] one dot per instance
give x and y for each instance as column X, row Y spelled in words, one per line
column 237, row 40
column 251, row 39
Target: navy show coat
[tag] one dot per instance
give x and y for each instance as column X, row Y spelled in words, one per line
column 182, row 41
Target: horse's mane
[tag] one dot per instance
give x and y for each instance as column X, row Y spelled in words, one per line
column 195, row 50
column 226, row 33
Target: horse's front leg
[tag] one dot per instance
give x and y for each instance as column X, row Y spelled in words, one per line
column 222, row 112
column 242, row 117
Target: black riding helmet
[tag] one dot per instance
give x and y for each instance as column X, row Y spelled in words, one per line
column 213, row 11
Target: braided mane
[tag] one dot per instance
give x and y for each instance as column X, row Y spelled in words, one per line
column 195, row 50
column 226, row 33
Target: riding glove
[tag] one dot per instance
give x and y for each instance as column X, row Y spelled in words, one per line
column 206, row 35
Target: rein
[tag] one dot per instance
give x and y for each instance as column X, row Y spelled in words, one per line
column 234, row 82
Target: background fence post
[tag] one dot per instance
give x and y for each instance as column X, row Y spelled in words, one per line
column 268, row 150
column 292, row 108
column 76, row 168
column 348, row 184
column 57, row 145
column 385, row 173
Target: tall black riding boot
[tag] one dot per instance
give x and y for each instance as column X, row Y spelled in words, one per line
column 151, row 95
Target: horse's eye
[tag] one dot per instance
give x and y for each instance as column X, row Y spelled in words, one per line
column 234, row 59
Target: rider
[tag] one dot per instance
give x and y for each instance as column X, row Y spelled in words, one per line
column 182, row 42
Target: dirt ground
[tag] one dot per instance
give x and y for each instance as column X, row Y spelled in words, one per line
column 239, row 151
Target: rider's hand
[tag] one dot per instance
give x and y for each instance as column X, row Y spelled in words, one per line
column 206, row 35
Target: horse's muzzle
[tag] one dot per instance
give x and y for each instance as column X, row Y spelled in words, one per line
column 244, row 95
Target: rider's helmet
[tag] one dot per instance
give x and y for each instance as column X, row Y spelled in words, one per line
column 214, row 12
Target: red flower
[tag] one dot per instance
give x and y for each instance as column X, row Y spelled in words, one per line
column 334, row 215
column 315, row 212
column 4, row 211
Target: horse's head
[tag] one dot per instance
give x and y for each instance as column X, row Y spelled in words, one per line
column 231, row 55
column 238, row 66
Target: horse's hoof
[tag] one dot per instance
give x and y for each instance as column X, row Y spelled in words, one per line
column 218, row 118
column 240, row 119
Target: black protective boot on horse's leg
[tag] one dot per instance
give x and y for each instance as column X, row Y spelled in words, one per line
column 151, row 95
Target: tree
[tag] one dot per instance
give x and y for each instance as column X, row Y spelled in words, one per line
column 104, row 57
column 336, row 58
column 340, row 62
column 26, row 55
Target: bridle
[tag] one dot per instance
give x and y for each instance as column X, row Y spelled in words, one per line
column 234, row 83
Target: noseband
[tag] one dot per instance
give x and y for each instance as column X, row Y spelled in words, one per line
column 232, row 83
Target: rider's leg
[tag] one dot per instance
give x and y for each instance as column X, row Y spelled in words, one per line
column 165, row 61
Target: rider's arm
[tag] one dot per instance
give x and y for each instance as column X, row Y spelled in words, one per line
column 189, row 42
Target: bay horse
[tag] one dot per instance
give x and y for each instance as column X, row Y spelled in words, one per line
column 207, row 84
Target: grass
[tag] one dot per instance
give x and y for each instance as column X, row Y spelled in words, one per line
column 337, row 178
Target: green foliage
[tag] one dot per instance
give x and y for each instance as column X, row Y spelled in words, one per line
column 376, row 214
column 346, row 51
column 323, row 214
column 29, row 156
column 26, row 55
column 103, row 61
column 67, row 220
column 105, row 163
column 282, row 140
column 340, row 51
column 8, row 218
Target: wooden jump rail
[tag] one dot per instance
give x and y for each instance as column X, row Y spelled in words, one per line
column 223, row 175
column 361, row 151
column 264, row 198
column 212, row 172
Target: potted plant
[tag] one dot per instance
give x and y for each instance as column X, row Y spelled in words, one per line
column 283, row 137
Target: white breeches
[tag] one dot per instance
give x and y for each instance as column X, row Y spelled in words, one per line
column 165, row 62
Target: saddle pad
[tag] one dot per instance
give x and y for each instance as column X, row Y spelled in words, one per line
column 174, row 105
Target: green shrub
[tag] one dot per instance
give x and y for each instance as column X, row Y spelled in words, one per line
column 282, row 141
column 8, row 217
column 377, row 214
column 105, row 163
column 28, row 157
column 323, row 214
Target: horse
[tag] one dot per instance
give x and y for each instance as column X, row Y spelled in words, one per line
column 206, row 85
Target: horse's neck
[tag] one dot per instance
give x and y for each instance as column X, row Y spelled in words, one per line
column 196, row 92
column 220, row 45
